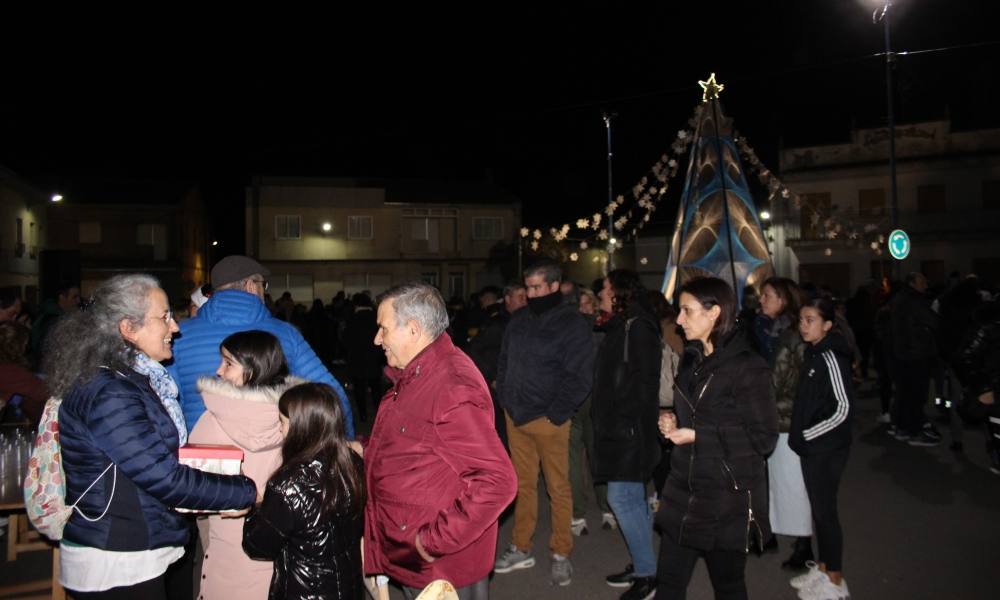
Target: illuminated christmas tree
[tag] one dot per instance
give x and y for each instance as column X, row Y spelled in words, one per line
column 717, row 232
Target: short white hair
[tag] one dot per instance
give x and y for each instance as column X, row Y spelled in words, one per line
column 420, row 302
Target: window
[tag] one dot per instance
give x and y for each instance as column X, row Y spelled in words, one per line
column 419, row 229
column 430, row 278
column 871, row 203
column 155, row 235
column 19, row 246
column 487, row 228
column 456, row 285
column 815, row 207
column 991, row 194
column 359, row 227
column 90, row 232
column 287, row 227
column 930, row 198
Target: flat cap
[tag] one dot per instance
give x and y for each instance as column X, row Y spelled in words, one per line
column 236, row 267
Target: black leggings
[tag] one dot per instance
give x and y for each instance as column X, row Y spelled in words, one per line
column 822, row 473
column 676, row 564
column 153, row 589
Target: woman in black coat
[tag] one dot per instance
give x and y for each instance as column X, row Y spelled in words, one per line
column 714, row 505
column 625, row 407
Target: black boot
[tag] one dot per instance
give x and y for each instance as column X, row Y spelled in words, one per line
column 801, row 552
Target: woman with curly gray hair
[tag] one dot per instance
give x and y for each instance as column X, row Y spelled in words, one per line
column 120, row 427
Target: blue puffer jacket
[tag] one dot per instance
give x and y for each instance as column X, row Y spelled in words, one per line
column 118, row 417
column 196, row 350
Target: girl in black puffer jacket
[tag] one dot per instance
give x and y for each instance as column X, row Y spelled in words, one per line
column 821, row 435
column 310, row 521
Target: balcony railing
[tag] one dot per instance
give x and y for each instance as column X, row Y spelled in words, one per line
column 943, row 224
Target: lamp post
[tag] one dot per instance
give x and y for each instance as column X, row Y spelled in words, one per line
column 611, row 229
column 883, row 15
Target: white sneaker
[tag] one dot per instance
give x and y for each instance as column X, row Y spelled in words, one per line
column 825, row 589
column 579, row 527
column 608, row 521
column 809, row 578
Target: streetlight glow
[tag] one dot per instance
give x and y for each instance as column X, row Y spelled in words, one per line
column 327, row 226
column 613, row 241
column 215, row 242
column 765, row 215
column 57, row 197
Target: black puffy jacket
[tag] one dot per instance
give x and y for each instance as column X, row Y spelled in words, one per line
column 913, row 326
column 316, row 554
column 626, row 399
column 824, row 402
column 716, row 495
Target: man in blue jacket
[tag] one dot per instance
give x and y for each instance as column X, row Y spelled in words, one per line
column 238, row 305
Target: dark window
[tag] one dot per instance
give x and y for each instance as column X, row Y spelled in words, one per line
column 871, row 203
column 991, row 194
column 930, row 198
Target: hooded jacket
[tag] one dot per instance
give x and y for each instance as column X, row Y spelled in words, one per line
column 117, row 417
column 716, row 494
column 196, row 349
column 246, row 417
column 821, row 415
column 435, row 466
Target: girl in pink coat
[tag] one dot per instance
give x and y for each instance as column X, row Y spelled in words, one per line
column 241, row 410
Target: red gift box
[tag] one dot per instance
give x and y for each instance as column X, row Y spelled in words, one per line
column 221, row 460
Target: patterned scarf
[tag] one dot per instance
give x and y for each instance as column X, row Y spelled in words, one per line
column 166, row 388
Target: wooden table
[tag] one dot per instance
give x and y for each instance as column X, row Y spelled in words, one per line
column 21, row 537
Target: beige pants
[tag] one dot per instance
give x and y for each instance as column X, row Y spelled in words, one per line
column 535, row 443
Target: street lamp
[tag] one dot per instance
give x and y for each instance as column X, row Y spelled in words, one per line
column 327, row 227
column 57, row 197
column 765, row 215
column 883, row 15
column 215, row 242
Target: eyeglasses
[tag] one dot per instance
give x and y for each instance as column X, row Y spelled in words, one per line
column 262, row 282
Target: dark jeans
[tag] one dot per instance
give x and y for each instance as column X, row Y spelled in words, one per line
column 913, row 380
column 884, row 371
column 479, row 590
column 154, row 589
column 676, row 564
column 822, row 473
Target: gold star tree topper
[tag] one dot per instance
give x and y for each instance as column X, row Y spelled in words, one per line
column 711, row 88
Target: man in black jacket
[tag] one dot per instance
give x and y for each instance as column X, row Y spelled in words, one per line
column 913, row 329
column 543, row 376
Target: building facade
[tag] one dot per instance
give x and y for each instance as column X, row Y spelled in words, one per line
column 159, row 229
column 948, row 191
column 22, row 235
column 323, row 236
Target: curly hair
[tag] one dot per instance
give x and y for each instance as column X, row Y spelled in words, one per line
column 83, row 341
column 628, row 288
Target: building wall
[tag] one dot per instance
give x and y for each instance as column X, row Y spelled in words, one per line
column 19, row 262
column 959, row 230
column 435, row 242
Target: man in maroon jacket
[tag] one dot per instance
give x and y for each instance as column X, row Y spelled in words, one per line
column 438, row 477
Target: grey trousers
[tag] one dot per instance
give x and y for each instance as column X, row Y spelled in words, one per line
column 479, row 590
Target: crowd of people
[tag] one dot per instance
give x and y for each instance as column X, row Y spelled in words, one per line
column 717, row 426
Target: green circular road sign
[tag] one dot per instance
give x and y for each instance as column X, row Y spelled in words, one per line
column 899, row 244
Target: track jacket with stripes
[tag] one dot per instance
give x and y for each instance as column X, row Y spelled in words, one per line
column 824, row 404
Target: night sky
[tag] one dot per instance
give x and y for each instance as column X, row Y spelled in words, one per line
column 513, row 95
